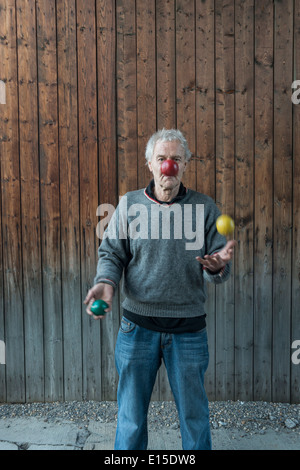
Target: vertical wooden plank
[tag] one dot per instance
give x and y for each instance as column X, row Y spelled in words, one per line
column 205, row 96
column 127, row 101
column 166, row 64
column 106, row 40
column 205, row 145
column 69, row 191
column 3, row 397
column 283, row 41
column 11, row 212
column 263, row 200
column 224, row 33
column 185, row 80
column 126, row 96
column 146, row 83
column 30, row 200
column 108, row 191
column 88, row 167
column 295, row 326
column 244, row 142
column 50, row 201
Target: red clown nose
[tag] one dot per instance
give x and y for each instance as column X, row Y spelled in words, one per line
column 169, row 168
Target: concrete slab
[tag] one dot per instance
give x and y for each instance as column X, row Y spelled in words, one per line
column 271, row 440
column 102, row 438
column 33, row 431
column 8, row 446
column 36, row 434
column 48, row 447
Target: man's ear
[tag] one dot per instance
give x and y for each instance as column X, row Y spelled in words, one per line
column 150, row 166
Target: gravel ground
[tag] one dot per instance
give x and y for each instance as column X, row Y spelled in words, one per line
column 247, row 417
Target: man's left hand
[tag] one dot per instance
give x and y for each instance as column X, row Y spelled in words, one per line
column 218, row 260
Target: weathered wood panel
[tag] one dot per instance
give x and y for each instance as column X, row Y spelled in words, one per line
column 224, row 102
column 11, row 209
column 88, row 186
column 108, row 190
column 185, row 80
column 263, row 200
column 166, row 64
column 146, row 82
column 205, row 144
column 2, row 329
column 30, row 202
column 295, row 319
column 127, row 96
column 244, row 175
column 69, row 198
column 282, row 214
column 50, row 197
column 87, row 82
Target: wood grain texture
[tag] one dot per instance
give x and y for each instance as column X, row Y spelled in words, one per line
column 185, row 81
column 88, row 183
column 69, row 200
column 30, row 201
column 263, row 201
column 108, row 184
column 224, row 32
column 2, row 327
column 127, row 96
column 166, row 64
column 295, row 319
column 282, row 214
column 107, row 109
column 11, row 209
column 87, row 83
column 50, row 198
column 146, row 83
column 206, row 149
column 244, row 194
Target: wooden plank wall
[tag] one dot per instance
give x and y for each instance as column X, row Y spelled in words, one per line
column 87, row 83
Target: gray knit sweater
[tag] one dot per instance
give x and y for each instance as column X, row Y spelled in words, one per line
column 155, row 245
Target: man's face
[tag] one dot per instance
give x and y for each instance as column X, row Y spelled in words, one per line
column 163, row 151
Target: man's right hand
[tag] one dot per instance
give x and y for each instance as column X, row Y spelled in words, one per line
column 99, row 291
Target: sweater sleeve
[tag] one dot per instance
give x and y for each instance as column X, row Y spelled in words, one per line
column 219, row 277
column 114, row 250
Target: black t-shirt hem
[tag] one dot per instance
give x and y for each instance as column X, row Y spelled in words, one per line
column 167, row 324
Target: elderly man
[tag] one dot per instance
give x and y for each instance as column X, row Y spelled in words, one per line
column 164, row 240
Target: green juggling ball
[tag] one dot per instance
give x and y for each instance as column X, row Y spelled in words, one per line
column 98, row 307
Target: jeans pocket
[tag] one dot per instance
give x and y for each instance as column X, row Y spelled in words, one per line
column 126, row 325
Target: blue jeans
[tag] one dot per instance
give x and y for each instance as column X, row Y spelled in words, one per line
column 138, row 357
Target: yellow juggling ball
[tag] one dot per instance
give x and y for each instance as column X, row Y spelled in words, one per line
column 225, row 225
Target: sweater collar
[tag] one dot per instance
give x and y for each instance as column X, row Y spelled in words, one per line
column 149, row 191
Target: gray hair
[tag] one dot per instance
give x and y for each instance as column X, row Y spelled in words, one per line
column 167, row 135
